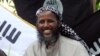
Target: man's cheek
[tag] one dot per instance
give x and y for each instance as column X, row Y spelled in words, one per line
column 52, row 27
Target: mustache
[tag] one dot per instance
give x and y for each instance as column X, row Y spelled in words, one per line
column 46, row 28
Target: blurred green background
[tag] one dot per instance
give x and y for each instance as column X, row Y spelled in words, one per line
column 98, row 5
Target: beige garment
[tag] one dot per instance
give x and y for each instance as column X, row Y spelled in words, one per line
column 63, row 47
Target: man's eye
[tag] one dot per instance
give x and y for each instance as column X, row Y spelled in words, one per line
column 42, row 21
column 50, row 21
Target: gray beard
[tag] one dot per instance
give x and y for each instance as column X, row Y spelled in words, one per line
column 51, row 41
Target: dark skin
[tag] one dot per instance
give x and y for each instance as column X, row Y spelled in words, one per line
column 48, row 25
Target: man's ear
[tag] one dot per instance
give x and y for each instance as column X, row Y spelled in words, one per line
column 36, row 24
column 59, row 23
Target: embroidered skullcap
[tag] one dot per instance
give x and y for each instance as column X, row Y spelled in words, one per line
column 49, row 8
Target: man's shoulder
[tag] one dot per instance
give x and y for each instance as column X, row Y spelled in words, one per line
column 31, row 48
column 70, row 42
column 72, row 47
column 33, row 45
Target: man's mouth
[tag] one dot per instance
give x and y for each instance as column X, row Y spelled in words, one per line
column 47, row 33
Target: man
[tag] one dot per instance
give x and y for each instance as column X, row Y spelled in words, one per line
column 50, row 42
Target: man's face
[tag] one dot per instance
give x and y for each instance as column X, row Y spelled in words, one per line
column 47, row 25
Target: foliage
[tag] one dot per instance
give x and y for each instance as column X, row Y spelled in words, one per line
column 9, row 5
column 98, row 5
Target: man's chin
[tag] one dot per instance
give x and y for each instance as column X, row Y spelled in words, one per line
column 47, row 37
column 44, row 38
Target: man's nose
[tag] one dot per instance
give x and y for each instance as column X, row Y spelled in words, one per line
column 46, row 24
